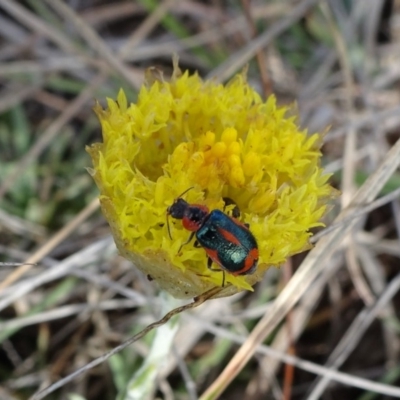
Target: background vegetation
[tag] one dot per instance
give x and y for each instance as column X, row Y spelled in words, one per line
column 338, row 60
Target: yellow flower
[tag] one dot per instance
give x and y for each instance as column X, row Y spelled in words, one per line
column 222, row 140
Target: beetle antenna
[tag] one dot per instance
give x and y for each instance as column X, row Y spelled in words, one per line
column 169, row 230
column 192, row 187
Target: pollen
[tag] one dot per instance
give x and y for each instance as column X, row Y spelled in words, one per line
column 219, row 141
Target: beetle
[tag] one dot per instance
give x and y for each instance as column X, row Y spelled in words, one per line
column 227, row 242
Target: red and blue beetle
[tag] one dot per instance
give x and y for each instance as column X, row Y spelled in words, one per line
column 227, row 242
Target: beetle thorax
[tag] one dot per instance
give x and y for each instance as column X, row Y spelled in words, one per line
column 194, row 217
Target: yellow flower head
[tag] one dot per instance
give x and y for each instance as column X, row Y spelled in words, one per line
column 222, row 141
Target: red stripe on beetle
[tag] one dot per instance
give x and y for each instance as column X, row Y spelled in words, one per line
column 249, row 263
column 251, row 259
column 229, row 236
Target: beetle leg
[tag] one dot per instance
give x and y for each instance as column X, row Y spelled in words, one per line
column 209, row 266
column 236, row 210
column 188, row 241
column 196, row 244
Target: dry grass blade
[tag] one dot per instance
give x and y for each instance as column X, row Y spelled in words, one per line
column 301, row 315
column 16, row 96
column 387, row 118
column 88, row 255
column 349, row 158
column 241, row 57
column 146, row 27
column 261, row 57
column 197, row 301
column 65, row 311
column 30, row 20
column 304, row 276
column 51, row 132
column 51, row 244
column 19, row 225
column 340, row 377
column 95, row 41
column 351, row 338
column 358, row 212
